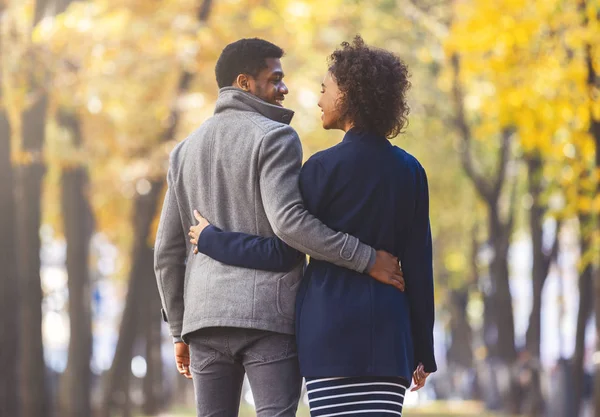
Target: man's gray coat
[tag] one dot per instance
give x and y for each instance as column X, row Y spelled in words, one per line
column 240, row 170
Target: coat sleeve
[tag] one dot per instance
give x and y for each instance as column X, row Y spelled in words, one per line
column 314, row 185
column 418, row 275
column 280, row 161
column 248, row 251
column 169, row 260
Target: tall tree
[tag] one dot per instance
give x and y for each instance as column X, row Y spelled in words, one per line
column 30, row 174
column 78, row 226
column 33, row 390
column 153, row 384
column 8, row 278
column 78, row 221
column 500, row 331
column 541, row 61
column 116, row 395
column 595, row 128
column 460, row 351
column 145, row 210
column 542, row 259
column 593, row 83
column 586, row 299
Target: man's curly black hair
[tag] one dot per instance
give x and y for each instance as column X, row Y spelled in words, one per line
column 246, row 56
column 373, row 83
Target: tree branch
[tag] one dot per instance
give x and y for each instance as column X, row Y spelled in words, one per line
column 185, row 80
column 61, row 6
column 460, row 120
column 41, row 8
column 502, row 162
column 475, row 247
column 205, row 10
column 553, row 254
column 508, row 226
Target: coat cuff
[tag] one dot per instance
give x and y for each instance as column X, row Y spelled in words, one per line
column 356, row 253
column 429, row 365
column 205, row 238
column 372, row 260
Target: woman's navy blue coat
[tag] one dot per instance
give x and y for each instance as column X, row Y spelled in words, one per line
column 347, row 323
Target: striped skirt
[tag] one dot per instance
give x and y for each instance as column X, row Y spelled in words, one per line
column 360, row 396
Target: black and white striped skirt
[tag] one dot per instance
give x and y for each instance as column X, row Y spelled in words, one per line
column 361, row 396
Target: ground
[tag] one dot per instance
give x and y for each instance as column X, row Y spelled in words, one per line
column 437, row 409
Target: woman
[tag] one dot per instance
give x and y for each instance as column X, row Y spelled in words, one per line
column 359, row 341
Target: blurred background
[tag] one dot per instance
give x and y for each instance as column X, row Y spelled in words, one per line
column 505, row 119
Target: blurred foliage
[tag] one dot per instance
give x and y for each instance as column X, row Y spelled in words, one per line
column 531, row 68
column 116, row 65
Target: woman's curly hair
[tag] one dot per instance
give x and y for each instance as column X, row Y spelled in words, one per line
column 373, row 83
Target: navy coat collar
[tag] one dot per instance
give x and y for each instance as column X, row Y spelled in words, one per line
column 355, row 135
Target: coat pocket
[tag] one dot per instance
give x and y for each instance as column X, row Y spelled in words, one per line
column 287, row 287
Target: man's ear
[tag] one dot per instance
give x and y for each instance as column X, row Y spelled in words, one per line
column 243, row 82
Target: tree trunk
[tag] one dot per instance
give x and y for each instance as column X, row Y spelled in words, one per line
column 540, row 270
column 499, row 327
column 34, row 395
column 78, row 222
column 583, row 315
column 460, row 351
column 593, row 82
column 78, row 219
column 9, row 313
column 595, row 130
column 536, row 217
column 117, row 390
column 153, row 382
column 501, row 298
column 9, row 404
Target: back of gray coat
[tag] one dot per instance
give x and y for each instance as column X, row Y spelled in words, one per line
column 240, row 171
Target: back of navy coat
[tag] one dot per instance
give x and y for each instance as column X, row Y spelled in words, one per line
column 348, row 324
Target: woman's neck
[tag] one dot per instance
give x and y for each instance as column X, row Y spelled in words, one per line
column 347, row 125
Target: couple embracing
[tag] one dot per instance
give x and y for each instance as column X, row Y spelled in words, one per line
column 237, row 293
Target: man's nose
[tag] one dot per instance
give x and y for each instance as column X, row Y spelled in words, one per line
column 283, row 88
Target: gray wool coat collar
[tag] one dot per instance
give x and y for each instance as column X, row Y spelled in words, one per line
column 232, row 98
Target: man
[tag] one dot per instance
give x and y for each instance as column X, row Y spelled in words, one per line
column 240, row 169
